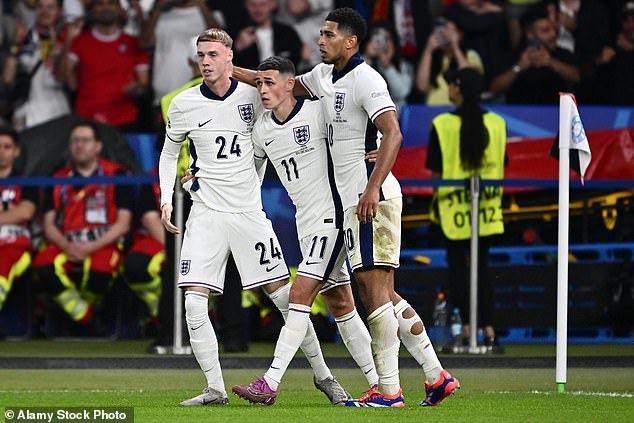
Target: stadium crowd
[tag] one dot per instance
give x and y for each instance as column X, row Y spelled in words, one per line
column 112, row 62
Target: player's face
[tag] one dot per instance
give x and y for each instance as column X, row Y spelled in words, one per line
column 214, row 61
column 8, row 152
column 333, row 42
column 84, row 147
column 274, row 88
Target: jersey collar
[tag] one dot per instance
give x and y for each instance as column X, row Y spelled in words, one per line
column 296, row 109
column 353, row 62
column 204, row 90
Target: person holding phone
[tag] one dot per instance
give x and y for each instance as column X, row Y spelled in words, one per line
column 383, row 54
column 444, row 51
column 538, row 70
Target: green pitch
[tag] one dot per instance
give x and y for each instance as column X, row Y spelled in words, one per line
column 513, row 395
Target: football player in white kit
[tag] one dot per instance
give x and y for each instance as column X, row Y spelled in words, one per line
column 360, row 117
column 292, row 135
column 226, row 216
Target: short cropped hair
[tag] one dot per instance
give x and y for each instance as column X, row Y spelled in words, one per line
column 278, row 63
column 215, row 34
column 11, row 133
column 349, row 20
column 86, row 123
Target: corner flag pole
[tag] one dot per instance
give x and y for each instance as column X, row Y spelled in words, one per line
column 474, row 183
column 562, row 245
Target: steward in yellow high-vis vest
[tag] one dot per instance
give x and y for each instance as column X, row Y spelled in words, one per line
column 468, row 141
column 454, row 203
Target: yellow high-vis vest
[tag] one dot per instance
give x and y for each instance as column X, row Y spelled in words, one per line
column 454, row 203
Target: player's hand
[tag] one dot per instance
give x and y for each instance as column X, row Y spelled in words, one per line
column 166, row 219
column 372, row 155
column 368, row 205
column 188, row 180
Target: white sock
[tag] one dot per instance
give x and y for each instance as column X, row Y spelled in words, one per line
column 419, row 346
column 385, row 346
column 357, row 339
column 310, row 345
column 203, row 339
column 291, row 337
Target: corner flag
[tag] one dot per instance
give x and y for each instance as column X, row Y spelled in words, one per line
column 572, row 135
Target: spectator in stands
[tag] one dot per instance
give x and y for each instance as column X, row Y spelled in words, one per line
column 169, row 30
column 143, row 264
column 411, row 20
column 482, row 22
column 615, row 65
column 537, row 71
column 306, row 17
column 468, row 141
column 514, row 9
column 83, row 226
column 107, row 68
column 37, row 96
column 444, row 51
column 17, row 207
column 382, row 53
column 265, row 37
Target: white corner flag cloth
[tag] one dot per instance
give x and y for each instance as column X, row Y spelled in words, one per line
column 572, row 134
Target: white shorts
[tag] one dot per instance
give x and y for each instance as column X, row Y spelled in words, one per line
column 324, row 258
column 211, row 235
column 377, row 243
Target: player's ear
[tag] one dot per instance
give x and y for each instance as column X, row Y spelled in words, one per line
column 230, row 54
column 290, row 83
column 352, row 41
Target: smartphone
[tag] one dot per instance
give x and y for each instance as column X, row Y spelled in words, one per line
column 534, row 43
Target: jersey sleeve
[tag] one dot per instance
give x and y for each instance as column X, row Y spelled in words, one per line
column 372, row 95
column 176, row 127
column 258, row 143
column 309, row 81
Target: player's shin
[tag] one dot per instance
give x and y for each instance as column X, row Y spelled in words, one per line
column 291, row 337
column 357, row 340
column 310, row 345
column 385, row 346
column 415, row 338
column 203, row 338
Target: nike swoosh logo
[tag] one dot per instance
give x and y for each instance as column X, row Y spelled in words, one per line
column 308, row 263
column 368, row 371
column 196, row 328
column 266, row 144
column 268, row 269
column 200, row 125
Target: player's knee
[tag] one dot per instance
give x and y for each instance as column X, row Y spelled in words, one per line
column 417, row 328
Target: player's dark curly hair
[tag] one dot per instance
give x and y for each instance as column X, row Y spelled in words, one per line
column 278, row 63
column 349, row 20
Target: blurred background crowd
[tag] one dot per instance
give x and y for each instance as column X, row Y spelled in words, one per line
column 111, row 61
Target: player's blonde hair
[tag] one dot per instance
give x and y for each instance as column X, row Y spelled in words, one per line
column 215, row 34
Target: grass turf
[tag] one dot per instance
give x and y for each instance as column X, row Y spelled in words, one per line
column 520, row 395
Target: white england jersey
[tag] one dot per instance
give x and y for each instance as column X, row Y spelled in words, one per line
column 297, row 150
column 351, row 100
column 221, row 150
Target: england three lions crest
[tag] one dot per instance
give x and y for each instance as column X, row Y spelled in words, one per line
column 339, row 101
column 246, row 112
column 301, row 134
column 185, row 266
